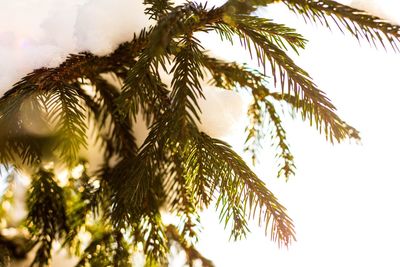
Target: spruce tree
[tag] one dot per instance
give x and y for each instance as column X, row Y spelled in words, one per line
column 178, row 169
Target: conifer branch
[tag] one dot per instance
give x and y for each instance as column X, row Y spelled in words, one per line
column 284, row 70
column 240, row 191
column 177, row 168
column 158, row 8
column 286, row 166
column 15, row 143
column 186, row 87
column 40, row 82
column 118, row 128
column 233, row 76
column 360, row 24
column 180, row 197
column 80, row 65
column 47, row 214
column 107, row 248
column 186, row 19
column 150, row 97
column 257, row 112
column 334, row 128
column 66, row 111
column 81, row 206
column 357, row 22
column 152, row 234
column 278, row 34
column 244, row 7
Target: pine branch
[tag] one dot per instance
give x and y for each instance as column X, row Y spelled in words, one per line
column 81, row 65
column 40, row 82
column 186, row 87
column 359, row 23
column 241, row 192
column 65, row 110
column 97, row 252
column 244, row 7
column 332, row 125
column 131, row 182
column 158, row 8
column 186, row 19
column 197, row 175
column 233, row 76
column 286, row 167
column 47, row 214
column 82, row 204
column 180, row 197
column 255, row 130
column 115, row 128
column 101, row 191
column 136, row 185
column 150, row 232
column 14, row 140
column 278, row 34
column 151, row 97
column 107, row 248
column 177, row 167
column 291, row 76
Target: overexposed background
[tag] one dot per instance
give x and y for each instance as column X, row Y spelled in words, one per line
column 344, row 199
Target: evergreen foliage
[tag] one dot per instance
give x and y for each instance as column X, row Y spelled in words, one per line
column 178, row 169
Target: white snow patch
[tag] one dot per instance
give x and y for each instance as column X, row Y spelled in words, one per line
column 41, row 33
column 102, row 25
column 223, row 112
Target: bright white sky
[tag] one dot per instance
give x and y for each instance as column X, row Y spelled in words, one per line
column 344, row 198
